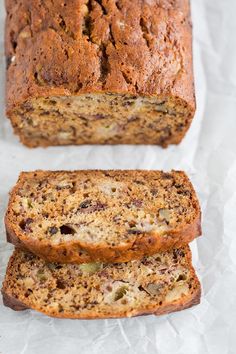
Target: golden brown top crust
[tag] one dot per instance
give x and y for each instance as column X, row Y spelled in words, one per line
column 76, row 46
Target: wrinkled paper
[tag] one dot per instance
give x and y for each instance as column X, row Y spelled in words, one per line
column 208, row 154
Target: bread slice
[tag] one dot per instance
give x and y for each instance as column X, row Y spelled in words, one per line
column 99, row 72
column 158, row 284
column 109, row 216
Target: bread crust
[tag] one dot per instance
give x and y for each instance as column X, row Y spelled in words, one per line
column 77, row 251
column 47, row 42
column 185, row 302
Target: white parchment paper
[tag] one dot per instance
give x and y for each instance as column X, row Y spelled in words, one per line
column 208, row 154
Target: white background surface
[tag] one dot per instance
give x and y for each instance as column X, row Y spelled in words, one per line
column 208, row 154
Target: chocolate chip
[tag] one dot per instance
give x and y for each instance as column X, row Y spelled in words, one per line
column 85, row 204
column 154, row 192
column 61, row 284
column 28, row 292
column 24, row 224
column 89, row 206
column 67, row 230
column 53, row 230
column 181, row 277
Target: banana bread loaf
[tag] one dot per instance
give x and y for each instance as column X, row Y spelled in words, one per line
column 99, row 71
column 159, row 284
column 109, row 216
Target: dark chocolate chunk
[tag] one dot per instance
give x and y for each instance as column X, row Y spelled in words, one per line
column 53, row 230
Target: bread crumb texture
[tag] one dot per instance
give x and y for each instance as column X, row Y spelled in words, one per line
column 94, row 210
column 161, row 283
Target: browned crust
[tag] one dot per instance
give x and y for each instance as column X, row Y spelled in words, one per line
column 12, row 302
column 47, row 33
column 79, row 252
column 111, row 60
column 185, row 302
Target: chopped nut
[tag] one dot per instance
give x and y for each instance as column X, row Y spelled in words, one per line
column 27, row 203
column 64, row 185
column 161, row 108
column 25, row 33
column 108, row 131
column 164, row 214
column 84, row 9
column 65, row 135
column 121, row 24
column 28, row 282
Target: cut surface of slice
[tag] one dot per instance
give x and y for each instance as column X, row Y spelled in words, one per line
column 109, row 216
column 162, row 283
